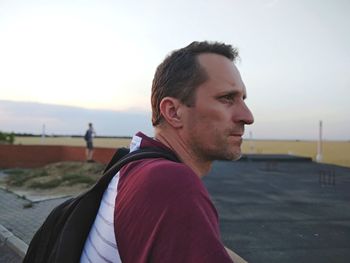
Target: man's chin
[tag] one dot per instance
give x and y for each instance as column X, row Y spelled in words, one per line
column 237, row 157
column 232, row 156
column 227, row 154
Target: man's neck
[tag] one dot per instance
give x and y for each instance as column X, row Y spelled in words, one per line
column 176, row 143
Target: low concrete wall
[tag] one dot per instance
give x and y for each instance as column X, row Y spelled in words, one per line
column 30, row 156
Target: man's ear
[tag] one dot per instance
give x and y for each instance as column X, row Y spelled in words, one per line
column 171, row 110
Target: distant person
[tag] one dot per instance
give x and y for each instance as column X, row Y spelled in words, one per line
column 89, row 135
column 156, row 210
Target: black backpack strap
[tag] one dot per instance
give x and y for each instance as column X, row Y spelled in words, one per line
column 150, row 151
column 62, row 236
column 122, row 157
column 119, row 153
column 145, row 153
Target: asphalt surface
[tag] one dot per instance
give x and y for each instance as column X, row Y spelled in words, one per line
column 270, row 211
column 283, row 211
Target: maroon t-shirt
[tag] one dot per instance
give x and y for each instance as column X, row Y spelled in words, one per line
column 163, row 213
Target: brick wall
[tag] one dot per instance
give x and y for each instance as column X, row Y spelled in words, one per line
column 29, row 156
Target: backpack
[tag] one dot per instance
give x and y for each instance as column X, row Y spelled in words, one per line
column 86, row 136
column 62, row 236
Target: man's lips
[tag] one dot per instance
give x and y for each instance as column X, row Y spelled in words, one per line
column 236, row 137
column 236, row 134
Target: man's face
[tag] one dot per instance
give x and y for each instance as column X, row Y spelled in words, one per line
column 215, row 124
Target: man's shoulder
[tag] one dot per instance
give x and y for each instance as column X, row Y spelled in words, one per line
column 162, row 182
column 162, row 167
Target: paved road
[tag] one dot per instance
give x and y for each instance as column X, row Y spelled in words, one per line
column 8, row 255
column 21, row 221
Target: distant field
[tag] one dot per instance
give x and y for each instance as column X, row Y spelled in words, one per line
column 73, row 141
column 334, row 152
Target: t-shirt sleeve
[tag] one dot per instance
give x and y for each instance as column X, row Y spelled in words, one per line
column 170, row 219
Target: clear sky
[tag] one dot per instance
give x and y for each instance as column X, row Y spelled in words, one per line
column 295, row 55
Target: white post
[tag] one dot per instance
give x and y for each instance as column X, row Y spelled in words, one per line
column 319, row 145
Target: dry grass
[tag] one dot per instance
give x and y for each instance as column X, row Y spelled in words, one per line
column 335, row 152
column 57, row 179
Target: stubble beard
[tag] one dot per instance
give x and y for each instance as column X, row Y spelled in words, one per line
column 220, row 150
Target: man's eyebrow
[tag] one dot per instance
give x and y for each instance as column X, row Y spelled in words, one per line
column 232, row 94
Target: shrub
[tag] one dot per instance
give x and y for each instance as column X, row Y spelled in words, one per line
column 8, row 138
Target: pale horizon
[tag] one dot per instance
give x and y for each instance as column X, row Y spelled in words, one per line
column 29, row 117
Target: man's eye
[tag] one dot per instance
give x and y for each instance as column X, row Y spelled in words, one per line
column 227, row 98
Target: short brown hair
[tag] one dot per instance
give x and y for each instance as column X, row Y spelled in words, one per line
column 180, row 74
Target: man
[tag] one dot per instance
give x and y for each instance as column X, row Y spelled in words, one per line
column 156, row 210
column 89, row 134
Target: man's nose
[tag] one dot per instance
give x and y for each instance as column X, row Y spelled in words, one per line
column 245, row 114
